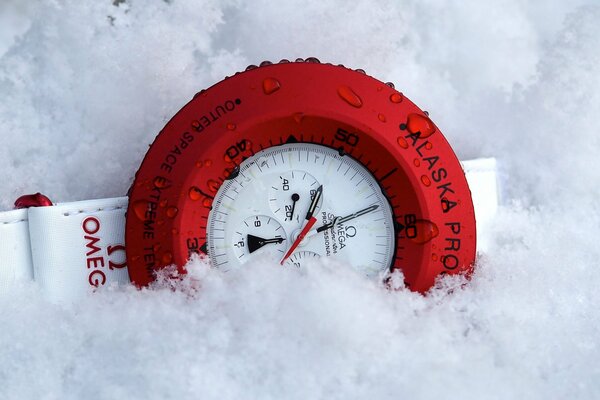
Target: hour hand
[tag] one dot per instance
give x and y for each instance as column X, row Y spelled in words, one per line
column 256, row 242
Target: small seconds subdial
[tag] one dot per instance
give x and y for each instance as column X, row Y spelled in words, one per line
column 290, row 194
column 258, row 234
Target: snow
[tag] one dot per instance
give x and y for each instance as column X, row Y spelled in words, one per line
column 85, row 85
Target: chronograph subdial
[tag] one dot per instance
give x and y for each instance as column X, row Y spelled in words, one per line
column 300, row 258
column 290, row 195
column 258, row 234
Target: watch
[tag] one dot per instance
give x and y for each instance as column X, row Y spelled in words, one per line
column 289, row 162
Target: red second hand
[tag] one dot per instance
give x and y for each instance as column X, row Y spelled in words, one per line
column 298, row 240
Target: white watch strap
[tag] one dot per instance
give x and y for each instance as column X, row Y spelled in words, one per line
column 71, row 249
column 15, row 250
column 482, row 176
column 77, row 247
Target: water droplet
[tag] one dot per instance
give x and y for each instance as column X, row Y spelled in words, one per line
column 249, row 67
column 213, row 185
column 174, row 231
column 420, row 123
column 298, row 117
column 265, row 63
column 172, row 212
column 231, row 126
column 299, row 60
column 426, row 230
column 428, row 146
column 162, row 203
column 167, row 257
column 381, row 117
column 402, row 142
column 194, row 193
column 390, row 84
column 349, row 96
column 156, row 247
column 271, row 85
column 161, row 182
column 32, row 200
column 207, row 202
column 425, row 180
column 284, row 61
column 396, row 97
column 360, row 71
column 140, row 208
column 417, row 162
column 202, row 92
column 198, row 164
column 434, row 257
column 313, row 60
column 207, row 163
column 231, row 173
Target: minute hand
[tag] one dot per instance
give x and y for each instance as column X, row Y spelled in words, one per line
column 341, row 220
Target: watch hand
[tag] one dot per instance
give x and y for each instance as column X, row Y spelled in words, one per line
column 298, row 240
column 256, row 242
column 314, row 202
column 295, row 198
column 340, row 220
column 310, row 221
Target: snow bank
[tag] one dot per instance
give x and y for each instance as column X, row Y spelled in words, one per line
column 86, row 86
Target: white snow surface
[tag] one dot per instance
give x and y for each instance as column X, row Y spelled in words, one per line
column 85, row 86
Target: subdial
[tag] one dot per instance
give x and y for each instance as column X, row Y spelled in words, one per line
column 299, row 258
column 290, row 195
column 259, row 234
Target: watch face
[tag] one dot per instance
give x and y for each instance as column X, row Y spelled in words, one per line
column 300, row 161
column 262, row 211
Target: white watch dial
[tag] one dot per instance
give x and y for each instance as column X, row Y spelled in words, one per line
column 274, row 189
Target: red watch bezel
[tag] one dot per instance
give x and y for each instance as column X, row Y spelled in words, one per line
column 363, row 118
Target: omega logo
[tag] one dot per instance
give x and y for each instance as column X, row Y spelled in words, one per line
column 94, row 258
